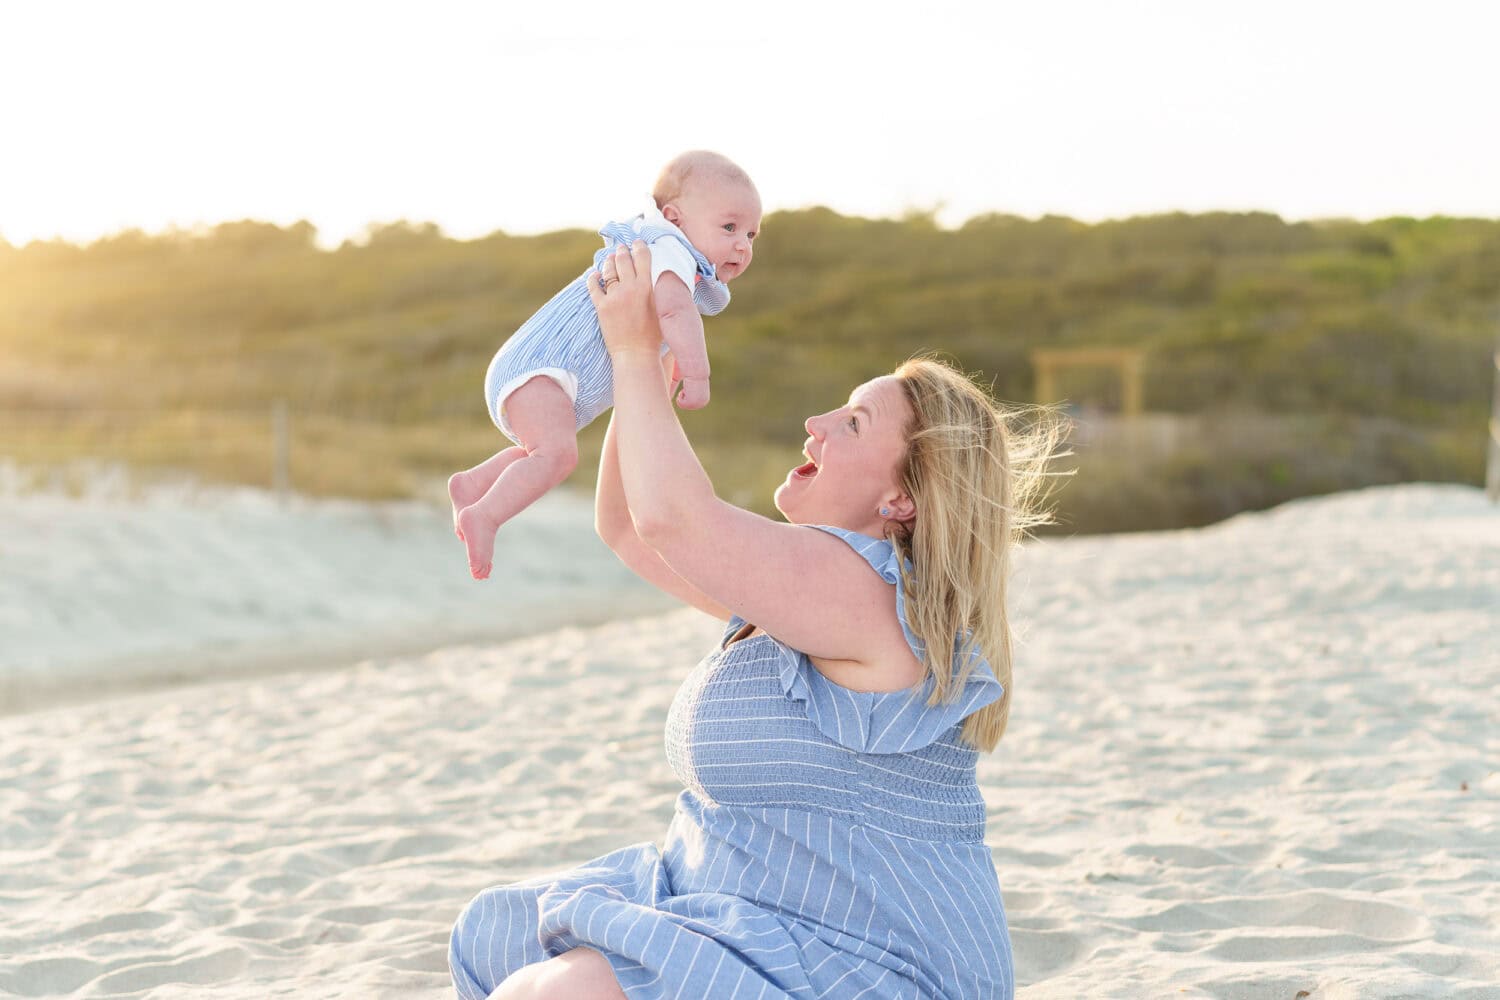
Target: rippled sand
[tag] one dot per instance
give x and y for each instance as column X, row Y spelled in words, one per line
column 1246, row 761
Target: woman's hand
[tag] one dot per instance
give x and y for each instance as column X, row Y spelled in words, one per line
column 622, row 295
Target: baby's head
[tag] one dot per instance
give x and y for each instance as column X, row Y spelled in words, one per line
column 713, row 202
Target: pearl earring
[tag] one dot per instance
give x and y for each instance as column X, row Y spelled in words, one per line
column 885, row 512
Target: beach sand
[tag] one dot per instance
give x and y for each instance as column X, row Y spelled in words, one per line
column 1250, row 760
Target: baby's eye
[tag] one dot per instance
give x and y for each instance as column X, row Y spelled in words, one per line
column 854, row 424
column 729, row 227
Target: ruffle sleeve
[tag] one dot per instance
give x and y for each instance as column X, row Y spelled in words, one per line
column 880, row 721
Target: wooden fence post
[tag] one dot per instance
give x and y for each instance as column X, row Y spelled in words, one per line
column 1492, row 468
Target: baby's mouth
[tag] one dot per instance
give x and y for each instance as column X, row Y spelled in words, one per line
column 807, row 471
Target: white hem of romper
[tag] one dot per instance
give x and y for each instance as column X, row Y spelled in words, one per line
column 565, row 379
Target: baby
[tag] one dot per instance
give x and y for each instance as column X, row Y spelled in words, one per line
column 553, row 376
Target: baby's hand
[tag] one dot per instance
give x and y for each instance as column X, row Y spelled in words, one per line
column 694, row 394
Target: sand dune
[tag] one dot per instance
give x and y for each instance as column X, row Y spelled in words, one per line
column 118, row 589
column 1246, row 761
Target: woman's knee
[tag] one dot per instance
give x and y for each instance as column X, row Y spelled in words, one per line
column 580, row 974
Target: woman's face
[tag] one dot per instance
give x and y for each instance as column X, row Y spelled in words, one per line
column 853, row 454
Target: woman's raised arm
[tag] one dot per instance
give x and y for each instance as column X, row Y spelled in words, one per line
column 803, row 586
column 615, row 526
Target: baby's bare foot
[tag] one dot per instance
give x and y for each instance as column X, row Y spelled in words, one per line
column 478, row 534
column 462, row 491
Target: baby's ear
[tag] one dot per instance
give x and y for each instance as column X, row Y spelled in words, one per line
column 671, row 213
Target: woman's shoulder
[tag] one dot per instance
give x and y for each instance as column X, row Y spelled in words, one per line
column 882, row 557
column 878, row 552
column 900, row 720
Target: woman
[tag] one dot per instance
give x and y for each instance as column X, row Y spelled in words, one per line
column 830, row 843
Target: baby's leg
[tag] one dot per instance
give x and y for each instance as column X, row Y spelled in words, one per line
column 541, row 414
column 468, row 486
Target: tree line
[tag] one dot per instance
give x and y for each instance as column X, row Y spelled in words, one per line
column 1387, row 324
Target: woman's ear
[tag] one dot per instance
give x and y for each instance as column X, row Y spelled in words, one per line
column 902, row 508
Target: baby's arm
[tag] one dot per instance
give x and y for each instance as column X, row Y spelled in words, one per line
column 682, row 328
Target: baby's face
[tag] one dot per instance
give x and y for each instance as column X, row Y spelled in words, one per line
column 721, row 218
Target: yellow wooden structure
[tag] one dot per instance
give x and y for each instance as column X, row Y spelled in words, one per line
column 1128, row 361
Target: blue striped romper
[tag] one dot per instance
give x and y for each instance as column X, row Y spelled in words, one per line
column 830, row 844
column 562, row 339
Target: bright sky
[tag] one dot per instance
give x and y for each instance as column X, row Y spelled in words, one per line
column 530, row 115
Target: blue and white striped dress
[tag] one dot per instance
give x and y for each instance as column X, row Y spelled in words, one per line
column 830, row 844
column 562, row 339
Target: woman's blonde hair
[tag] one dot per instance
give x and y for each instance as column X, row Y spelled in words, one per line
column 978, row 479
